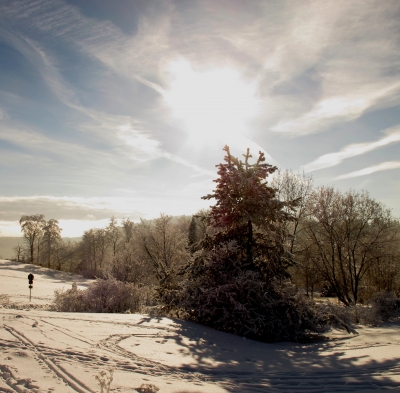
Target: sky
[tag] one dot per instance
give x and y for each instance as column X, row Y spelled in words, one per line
column 122, row 108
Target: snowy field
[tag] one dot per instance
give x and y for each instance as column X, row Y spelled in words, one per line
column 49, row 352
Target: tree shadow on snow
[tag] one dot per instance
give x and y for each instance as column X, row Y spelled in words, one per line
column 245, row 365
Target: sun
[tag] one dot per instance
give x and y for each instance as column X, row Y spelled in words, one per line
column 213, row 105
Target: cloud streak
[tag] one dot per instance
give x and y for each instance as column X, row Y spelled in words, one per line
column 384, row 166
column 356, row 149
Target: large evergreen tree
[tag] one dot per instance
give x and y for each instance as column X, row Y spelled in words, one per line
column 248, row 213
column 236, row 282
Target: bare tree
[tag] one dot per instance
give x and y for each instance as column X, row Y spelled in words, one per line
column 65, row 255
column 298, row 186
column 19, row 251
column 292, row 186
column 162, row 246
column 349, row 233
column 93, row 249
column 87, row 251
column 51, row 236
column 32, row 229
column 114, row 234
column 102, row 244
column 127, row 226
column 384, row 275
column 128, row 266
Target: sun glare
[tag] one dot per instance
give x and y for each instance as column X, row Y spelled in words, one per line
column 213, row 105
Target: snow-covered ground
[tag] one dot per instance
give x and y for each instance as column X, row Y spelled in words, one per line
column 44, row 351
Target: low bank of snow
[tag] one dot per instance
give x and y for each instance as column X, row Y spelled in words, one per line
column 43, row 351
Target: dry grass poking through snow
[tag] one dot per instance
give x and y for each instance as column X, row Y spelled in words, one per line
column 4, row 300
column 148, row 388
column 104, row 378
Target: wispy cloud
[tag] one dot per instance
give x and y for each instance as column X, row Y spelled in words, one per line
column 133, row 56
column 356, row 149
column 138, row 142
column 384, row 166
column 353, row 73
column 102, row 122
column 342, row 108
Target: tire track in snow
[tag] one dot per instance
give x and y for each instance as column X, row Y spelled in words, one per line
column 135, row 363
column 117, row 357
column 7, row 378
column 69, row 333
column 69, row 379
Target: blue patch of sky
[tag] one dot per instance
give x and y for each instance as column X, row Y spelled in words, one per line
column 387, row 153
column 96, row 86
column 6, row 146
column 31, row 101
column 124, row 14
column 381, row 119
column 120, row 95
column 293, row 152
column 307, row 85
column 17, row 75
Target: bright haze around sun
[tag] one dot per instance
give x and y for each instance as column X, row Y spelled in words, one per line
column 122, row 108
column 215, row 105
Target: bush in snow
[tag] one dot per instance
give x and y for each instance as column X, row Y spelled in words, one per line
column 382, row 307
column 386, row 305
column 111, row 295
column 104, row 295
column 69, row 301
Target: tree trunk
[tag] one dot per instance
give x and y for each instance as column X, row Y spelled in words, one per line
column 32, row 245
column 249, row 242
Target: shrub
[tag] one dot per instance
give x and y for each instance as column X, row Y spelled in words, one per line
column 386, row 305
column 69, row 301
column 382, row 307
column 111, row 295
column 104, row 295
